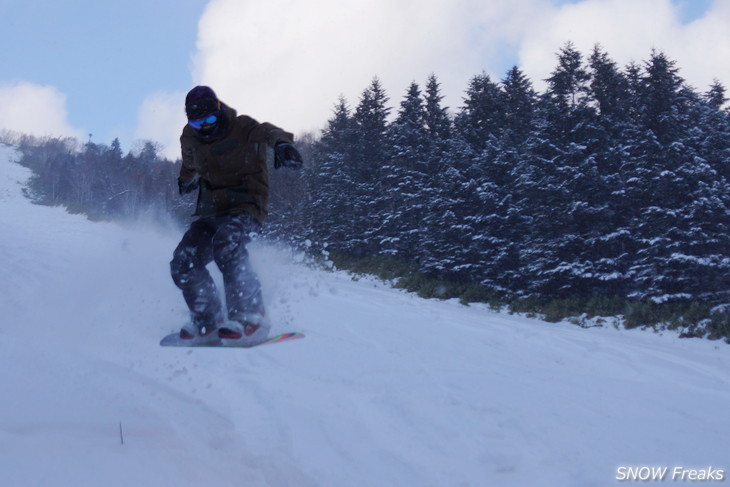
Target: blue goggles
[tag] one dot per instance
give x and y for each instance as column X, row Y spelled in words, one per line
column 207, row 120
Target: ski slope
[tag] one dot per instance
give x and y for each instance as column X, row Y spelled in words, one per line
column 386, row 390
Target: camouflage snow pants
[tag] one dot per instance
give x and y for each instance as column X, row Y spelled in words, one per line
column 221, row 239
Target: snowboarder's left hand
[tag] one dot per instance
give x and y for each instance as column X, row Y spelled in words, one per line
column 185, row 188
column 287, row 155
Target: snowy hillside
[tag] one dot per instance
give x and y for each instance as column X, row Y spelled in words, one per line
column 386, row 390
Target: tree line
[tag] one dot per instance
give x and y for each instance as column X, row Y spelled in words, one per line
column 613, row 182
column 100, row 181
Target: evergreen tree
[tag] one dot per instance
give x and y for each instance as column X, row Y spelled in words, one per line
column 439, row 127
column 405, row 176
column 370, row 155
column 438, row 123
column 332, row 183
column 115, row 151
column 716, row 95
column 714, row 129
column 504, row 227
column 568, row 84
column 608, row 87
column 660, row 93
column 447, row 227
column 559, row 184
column 665, row 182
column 466, row 212
column 519, row 103
column 609, row 91
column 482, row 116
column 371, row 126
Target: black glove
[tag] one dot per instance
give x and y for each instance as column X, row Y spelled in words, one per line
column 189, row 187
column 286, row 155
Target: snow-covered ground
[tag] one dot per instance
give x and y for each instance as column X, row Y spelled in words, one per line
column 386, row 390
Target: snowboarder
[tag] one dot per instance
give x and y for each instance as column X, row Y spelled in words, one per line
column 224, row 158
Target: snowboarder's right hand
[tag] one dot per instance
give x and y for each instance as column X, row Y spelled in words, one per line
column 189, row 187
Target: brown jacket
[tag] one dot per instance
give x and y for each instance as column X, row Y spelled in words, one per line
column 234, row 177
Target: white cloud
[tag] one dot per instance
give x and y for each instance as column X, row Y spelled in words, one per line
column 161, row 119
column 286, row 61
column 37, row 110
column 628, row 30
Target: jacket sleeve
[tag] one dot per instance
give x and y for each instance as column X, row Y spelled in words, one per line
column 187, row 169
column 271, row 134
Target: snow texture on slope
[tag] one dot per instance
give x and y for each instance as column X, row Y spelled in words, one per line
column 387, row 389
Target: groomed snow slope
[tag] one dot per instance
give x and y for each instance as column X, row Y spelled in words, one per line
column 386, row 390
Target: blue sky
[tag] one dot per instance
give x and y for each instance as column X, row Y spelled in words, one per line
column 106, row 56
column 692, row 9
column 122, row 68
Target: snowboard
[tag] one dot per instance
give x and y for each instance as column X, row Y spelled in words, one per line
column 174, row 340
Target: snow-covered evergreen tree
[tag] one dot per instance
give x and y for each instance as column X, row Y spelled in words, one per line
column 438, row 123
column 405, row 176
column 370, row 154
column 519, row 102
column 332, row 185
column 482, row 115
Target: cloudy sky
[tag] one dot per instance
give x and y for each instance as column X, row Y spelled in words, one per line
column 122, row 68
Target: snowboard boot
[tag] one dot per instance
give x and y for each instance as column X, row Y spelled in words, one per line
column 202, row 334
column 250, row 327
